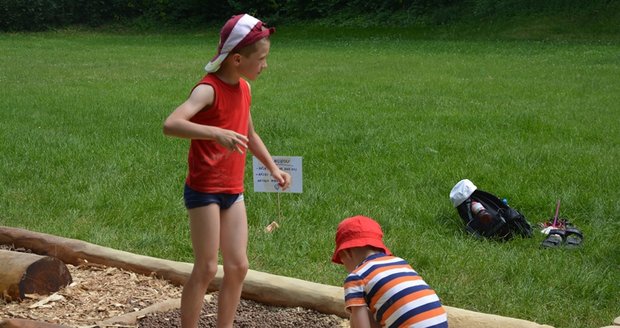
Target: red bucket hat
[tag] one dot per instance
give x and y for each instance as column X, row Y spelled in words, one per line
column 358, row 231
column 239, row 31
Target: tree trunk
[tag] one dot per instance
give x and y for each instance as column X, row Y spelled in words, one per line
column 25, row 273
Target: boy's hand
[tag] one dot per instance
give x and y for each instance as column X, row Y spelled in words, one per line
column 284, row 179
column 232, row 140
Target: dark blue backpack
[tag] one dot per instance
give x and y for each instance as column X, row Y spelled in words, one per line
column 502, row 222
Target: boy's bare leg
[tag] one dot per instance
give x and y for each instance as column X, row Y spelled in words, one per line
column 234, row 241
column 204, row 231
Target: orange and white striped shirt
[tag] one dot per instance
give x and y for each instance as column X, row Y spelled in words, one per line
column 395, row 294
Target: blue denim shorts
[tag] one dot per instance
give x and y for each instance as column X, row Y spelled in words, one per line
column 195, row 199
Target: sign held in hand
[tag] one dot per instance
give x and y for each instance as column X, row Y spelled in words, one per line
column 264, row 182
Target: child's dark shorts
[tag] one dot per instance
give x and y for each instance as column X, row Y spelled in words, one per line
column 195, row 199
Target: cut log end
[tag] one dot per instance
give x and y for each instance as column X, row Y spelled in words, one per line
column 45, row 276
column 25, row 273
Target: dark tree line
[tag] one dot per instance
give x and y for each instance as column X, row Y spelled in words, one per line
column 34, row 15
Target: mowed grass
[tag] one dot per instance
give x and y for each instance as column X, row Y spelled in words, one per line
column 386, row 123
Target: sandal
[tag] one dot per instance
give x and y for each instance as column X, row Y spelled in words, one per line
column 573, row 238
column 554, row 239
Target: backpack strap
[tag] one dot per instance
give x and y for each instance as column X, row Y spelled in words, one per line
column 517, row 221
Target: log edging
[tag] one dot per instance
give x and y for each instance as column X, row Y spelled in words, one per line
column 258, row 286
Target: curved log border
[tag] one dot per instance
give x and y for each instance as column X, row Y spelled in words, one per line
column 258, row 286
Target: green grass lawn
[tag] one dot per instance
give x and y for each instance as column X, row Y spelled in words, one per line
column 386, row 123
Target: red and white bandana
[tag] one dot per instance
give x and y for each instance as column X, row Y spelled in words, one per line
column 239, row 31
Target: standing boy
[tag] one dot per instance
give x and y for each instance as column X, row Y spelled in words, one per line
column 382, row 290
column 216, row 117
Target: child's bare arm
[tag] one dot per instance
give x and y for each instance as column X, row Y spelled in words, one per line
column 258, row 148
column 178, row 123
column 361, row 317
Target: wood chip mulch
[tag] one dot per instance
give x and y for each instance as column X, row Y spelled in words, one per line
column 98, row 293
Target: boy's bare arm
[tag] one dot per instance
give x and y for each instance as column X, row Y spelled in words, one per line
column 178, row 123
column 258, row 149
column 360, row 317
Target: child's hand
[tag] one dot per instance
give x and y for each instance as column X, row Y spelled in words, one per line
column 232, row 140
column 284, row 179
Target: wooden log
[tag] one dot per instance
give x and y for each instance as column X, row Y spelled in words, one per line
column 258, row 286
column 25, row 273
column 24, row 323
column 131, row 318
column 76, row 252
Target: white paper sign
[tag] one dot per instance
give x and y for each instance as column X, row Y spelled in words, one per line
column 264, row 182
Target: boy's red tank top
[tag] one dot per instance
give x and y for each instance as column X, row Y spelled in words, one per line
column 212, row 167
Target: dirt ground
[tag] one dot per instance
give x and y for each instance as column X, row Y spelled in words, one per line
column 98, row 293
column 250, row 314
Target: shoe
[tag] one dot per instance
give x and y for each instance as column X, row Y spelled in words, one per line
column 554, row 239
column 573, row 238
column 567, row 238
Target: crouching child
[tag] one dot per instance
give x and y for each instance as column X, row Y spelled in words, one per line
column 382, row 290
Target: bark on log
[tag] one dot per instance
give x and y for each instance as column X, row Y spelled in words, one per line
column 258, row 286
column 25, row 273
